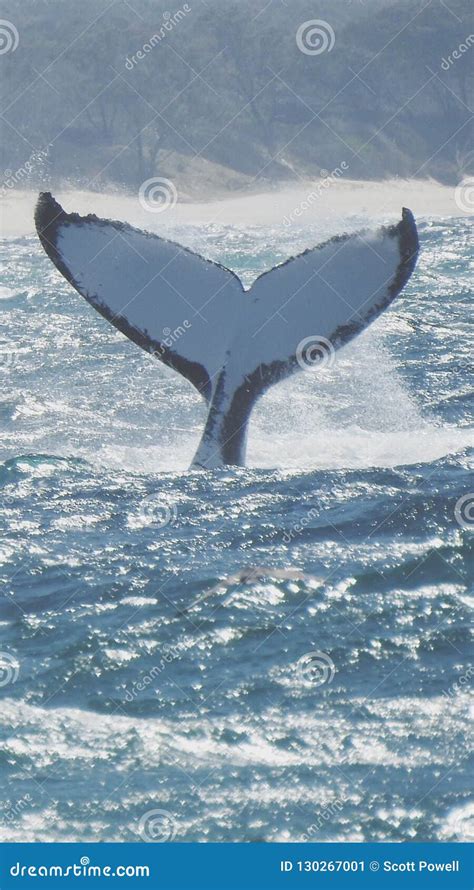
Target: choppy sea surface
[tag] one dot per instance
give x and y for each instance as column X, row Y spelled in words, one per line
column 264, row 654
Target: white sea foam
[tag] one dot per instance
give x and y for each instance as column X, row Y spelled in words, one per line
column 341, row 199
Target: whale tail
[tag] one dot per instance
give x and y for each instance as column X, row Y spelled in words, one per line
column 196, row 317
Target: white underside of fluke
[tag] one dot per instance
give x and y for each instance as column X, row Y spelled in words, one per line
column 196, row 317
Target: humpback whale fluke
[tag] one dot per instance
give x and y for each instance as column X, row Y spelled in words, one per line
column 195, row 315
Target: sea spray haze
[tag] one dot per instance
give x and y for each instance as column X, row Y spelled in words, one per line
column 271, row 653
column 277, row 652
column 218, row 95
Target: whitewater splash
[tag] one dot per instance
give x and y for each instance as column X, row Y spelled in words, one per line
column 352, row 203
column 374, row 406
column 236, row 344
column 151, row 612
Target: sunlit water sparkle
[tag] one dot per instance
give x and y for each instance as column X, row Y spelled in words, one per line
column 124, row 701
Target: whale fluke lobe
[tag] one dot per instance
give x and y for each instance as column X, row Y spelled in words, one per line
column 195, row 316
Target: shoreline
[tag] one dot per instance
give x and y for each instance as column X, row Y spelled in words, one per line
column 289, row 205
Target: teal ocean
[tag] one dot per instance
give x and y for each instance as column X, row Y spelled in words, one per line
column 267, row 654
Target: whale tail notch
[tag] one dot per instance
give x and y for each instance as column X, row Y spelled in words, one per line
column 196, row 317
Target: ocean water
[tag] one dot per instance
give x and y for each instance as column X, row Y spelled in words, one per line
column 264, row 654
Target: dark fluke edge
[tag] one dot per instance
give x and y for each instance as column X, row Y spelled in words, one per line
column 238, row 343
